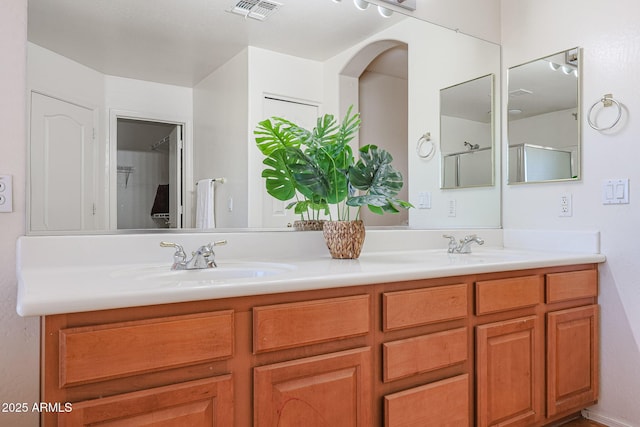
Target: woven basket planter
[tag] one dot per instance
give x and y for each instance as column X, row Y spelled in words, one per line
column 344, row 238
column 309, row 225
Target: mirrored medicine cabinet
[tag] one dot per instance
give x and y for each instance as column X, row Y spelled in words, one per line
column 544, row 119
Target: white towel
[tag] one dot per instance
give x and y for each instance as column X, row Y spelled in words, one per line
column 205, row 217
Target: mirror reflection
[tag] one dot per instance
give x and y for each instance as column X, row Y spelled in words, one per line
column 135, row 103
column 544, row 119
column 466, row 135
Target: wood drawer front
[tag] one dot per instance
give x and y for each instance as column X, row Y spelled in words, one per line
column 406, row 309
column 200, row 403
column 426, row 353
column 572, row 285
column 443, row 403
column 493, row 296
column 296, row 324
column 95, row 353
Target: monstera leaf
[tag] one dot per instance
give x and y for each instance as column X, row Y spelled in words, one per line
column 279, row 180
column 378, row 179
column 318, row 178
column 272, row 135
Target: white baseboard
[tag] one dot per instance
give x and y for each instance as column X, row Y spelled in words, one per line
column 608, row 421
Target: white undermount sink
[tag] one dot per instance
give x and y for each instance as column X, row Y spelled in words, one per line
column 223, row 273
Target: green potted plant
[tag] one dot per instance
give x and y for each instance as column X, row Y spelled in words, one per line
column 320, row 166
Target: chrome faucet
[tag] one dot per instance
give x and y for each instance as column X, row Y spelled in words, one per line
column 464, row 246
column 204, row 257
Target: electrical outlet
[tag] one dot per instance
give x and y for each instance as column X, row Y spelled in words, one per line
column 6, row 196
column 566, row 207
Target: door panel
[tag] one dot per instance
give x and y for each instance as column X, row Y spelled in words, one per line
column 62, row 158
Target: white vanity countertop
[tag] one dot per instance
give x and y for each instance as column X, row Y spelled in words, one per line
column 52, row 287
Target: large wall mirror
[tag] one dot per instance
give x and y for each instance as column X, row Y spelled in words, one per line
column 160, row 95
column 544, row 119
column 466, row 134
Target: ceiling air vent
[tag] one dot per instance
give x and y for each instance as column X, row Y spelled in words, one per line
column 256, row 9
column 520, row 92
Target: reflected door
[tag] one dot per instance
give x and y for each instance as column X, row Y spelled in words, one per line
column 62, row 160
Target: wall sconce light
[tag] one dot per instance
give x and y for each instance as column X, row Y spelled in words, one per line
column 384, row 12
column 361, row 4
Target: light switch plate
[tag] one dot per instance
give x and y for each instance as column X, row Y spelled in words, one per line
column 424, row 200
column 615, row 191
column 6, row 193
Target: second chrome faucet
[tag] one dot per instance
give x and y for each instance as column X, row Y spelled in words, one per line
column 464, row 245
column 204, row 257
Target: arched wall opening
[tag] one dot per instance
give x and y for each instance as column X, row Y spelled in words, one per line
column 375, row 82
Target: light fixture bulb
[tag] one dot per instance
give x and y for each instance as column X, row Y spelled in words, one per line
column 361, row 4
column 384, row 12
column 554, row 66
column 566, row 69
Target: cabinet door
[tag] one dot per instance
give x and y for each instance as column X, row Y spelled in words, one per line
column 572, row 359
column 332, row 390
column 509, row 372
column 201, row 403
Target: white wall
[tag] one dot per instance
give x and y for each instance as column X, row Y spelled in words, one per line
column 383, row 106
column 19, row 337
column 282, row 76
column 220, row 107
column 609, row 34
column 478, row 207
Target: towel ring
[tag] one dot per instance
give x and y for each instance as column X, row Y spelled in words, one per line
column 607, row 101
column 431, row 148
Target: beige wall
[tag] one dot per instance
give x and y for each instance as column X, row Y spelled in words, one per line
column 19, row 337
column 609, row 35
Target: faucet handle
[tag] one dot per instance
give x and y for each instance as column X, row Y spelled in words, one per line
column 172, row 245
column 452, row 243
column 179, row 256
column 209, row 255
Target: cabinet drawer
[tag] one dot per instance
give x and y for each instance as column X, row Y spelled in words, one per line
column 95, row 353
column 406, row 309
column 301, row 323
column 443, row 403
column 572, row 285
column 425, row 353
column 507, row 294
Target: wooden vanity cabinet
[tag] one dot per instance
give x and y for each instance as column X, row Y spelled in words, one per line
column 329, row 389
column 433, row 323
column 507, row 348
column 537, row 348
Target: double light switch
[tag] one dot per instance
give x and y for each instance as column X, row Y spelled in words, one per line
column 615, row 191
